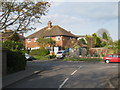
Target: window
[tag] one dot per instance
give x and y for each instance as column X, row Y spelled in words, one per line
column 29, row 40
column 110, row 55
column 35, row 39
column 57, row 38
column 115, row 55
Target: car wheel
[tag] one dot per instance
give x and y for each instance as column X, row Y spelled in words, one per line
column 107, row 61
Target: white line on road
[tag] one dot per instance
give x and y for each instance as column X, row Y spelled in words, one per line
column 63, row 83
column 68, row 78
column 80, row 67
column 74, row 72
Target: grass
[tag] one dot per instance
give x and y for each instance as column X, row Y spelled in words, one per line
column 41, row 57
column 47, row 57
column 82, row 59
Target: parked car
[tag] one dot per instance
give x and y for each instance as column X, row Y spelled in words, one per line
column 61, row 54
column 28, row 57
column 112, row 58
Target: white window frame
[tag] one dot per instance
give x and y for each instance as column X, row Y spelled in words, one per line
column 35, row 39
column 29, row 40
column 57, row 38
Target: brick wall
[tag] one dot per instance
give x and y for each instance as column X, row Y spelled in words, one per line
column 62, row 42
column 31, row 44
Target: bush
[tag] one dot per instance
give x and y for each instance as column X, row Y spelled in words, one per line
column 81, row 59
column 15, row 61
column 12, row 45
column 40, row 52
column 51, row 56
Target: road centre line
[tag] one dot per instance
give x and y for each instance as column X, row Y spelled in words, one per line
column 74, row 72
column 68, row 78
column 80, row 67
column 63, row 83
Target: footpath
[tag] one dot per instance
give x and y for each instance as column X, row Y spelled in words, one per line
column 29, row 71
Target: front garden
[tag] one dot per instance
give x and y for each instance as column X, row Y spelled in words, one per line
column 41, row 54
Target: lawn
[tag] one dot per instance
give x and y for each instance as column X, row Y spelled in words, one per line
column 82, row 59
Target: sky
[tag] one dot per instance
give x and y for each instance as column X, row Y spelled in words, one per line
column 82, row 18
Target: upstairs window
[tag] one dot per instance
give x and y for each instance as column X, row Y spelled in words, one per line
column 29, row 40
column 57, row 38
column 35, row 39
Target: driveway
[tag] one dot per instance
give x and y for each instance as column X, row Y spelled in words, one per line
column 65, row 74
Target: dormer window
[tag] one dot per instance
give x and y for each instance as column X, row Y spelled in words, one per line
column 35, row 40
column 57, row 38
column 29, row 40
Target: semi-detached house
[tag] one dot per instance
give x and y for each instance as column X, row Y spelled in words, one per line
column 57, row 33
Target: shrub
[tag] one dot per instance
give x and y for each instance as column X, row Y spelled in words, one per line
column 41, row 57
column 40, row 52
column 15, row 61
column 81, row 59
column 51, row 56
column 12, row 45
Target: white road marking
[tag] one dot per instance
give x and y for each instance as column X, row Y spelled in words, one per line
column 63, row 83
column 80, row 67
column 67, row 79
column 74, row 72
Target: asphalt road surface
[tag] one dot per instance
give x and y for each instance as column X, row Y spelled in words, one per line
column 64, row 74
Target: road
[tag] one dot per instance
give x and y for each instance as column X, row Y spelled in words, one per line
column 64, row 74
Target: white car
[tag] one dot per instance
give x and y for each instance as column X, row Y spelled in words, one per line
column 61, row 54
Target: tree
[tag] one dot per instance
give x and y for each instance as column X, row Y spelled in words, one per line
column 98, row 42
column 44, row 42
column 90, row 41
column 21, row 16
column 82, row 41
column 104, row 36
column 102, row 31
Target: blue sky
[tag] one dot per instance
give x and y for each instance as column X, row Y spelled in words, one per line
column 83, row 18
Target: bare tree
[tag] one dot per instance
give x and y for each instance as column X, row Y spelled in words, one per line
column 21, row 16
column 101, row 31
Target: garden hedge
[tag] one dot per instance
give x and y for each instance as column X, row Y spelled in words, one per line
column 15, row 61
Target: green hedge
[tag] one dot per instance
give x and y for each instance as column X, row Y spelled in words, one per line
column 82, row 59
column 40, row 52
column 47, row 57
column 15, row 61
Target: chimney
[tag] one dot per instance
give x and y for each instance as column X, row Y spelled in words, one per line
column 49, row 24
column 5, row 30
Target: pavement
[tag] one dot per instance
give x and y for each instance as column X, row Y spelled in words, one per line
column 13, row 78
column 29, row 71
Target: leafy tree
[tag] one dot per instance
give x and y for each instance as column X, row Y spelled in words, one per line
column 12, row 45
column 21, row 16
column 82, row 41
column 90, row 41
column 98, row 42
column 104, row 36
column 44, row 42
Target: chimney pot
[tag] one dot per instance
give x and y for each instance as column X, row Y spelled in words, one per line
column 49, row 24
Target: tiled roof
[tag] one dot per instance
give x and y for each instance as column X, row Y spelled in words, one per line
column 53, row 31
column 8, row 33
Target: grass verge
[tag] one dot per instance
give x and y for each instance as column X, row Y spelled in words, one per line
column 82, row 59
column 47, row 57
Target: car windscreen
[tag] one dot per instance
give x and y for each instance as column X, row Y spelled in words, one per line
column 59, row 52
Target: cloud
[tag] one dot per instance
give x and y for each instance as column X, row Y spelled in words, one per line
column 84, row 18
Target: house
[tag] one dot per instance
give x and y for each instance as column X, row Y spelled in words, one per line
column 80, row 37
column 11, row 35
column 57, row 33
